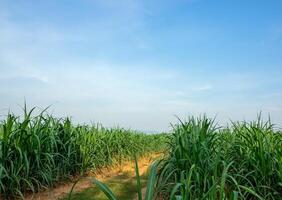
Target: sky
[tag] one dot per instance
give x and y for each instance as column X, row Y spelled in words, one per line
column 139, row 63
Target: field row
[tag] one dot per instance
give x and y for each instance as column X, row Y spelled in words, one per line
column 37, row 151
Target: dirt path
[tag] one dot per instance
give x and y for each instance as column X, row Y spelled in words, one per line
column 127, row 167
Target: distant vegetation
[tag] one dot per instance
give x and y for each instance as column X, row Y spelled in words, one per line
column 37, row 151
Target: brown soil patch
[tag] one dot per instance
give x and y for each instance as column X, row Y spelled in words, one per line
column 127, row 167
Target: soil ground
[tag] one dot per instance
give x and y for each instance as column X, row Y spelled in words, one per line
column 121, row 179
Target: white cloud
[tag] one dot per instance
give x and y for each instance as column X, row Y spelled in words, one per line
column 203, row 88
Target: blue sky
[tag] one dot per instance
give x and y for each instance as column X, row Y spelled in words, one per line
column 138, row 63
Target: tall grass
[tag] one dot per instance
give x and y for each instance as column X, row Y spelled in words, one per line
column 243, row 161
column 204, row 161
column 37, row 151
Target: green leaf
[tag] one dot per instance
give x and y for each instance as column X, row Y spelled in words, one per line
column 107, row 191
column 151, row 182
column 138, row 179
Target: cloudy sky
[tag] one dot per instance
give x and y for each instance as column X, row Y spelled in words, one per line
column 137, row 63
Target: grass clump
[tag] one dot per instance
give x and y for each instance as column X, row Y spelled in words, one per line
column 209, row 162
